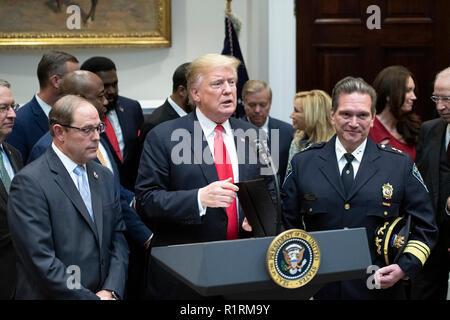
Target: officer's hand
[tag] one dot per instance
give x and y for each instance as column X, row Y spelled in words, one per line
column 386, row 277
column 218, row 194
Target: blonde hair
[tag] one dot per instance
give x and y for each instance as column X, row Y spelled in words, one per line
column 316, row 108
column 201, row 65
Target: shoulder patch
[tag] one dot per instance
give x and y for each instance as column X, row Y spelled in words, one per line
column 418, row 176
column 386, row 147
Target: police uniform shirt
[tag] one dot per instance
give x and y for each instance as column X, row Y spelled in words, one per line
column 357, row 154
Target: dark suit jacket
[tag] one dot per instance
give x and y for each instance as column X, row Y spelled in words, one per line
column 31, row 123
column 137, row 231
column 428, row 157
column 166, row 192
column 7, row 256
column 286, row 134
column 163, row 113
column 52, row 231
column 131, row 118
column 315, row 173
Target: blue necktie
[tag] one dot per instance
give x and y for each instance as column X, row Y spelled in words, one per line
column 83, row 187
column 6, row 179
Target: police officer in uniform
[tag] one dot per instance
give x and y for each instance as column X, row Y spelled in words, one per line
column 351, row 182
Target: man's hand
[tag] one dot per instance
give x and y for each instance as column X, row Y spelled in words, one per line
column 448, row 204
column 105, row 295
column 246, row 226
column 218, row 194
column 386, row 277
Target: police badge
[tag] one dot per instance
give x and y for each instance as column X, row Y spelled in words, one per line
column 387, row 191
column 293, row 258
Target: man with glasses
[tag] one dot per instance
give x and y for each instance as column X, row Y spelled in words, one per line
column 64, row 202
column 32, row 118
column 89, row 86
column 433, row 161
column 10, row 163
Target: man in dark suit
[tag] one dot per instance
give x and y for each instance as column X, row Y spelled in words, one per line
column 433, row 160
column 64, row 202
column 10, row 163
column 123, row 121
column 351, row 182
column 185, row 186
column 175, row 106
column 257, row 96
column 89, row 86
column 32, row 118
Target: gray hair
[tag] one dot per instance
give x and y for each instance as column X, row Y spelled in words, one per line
column 4, row 83
column 349, row 85
column 63, row 110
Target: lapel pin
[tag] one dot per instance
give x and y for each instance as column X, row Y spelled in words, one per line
column 95, row 175
column 121, row 109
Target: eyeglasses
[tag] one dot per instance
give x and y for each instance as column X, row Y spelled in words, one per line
column 5, row 107
column 87, row 131
column 444, row 99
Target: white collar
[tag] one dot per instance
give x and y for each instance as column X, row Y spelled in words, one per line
column 208, row 125
column 68, row 163
column 44, row 105
column 357, row 153
column 176, row 107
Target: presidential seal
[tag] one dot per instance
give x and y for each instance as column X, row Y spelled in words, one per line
column 293, row 258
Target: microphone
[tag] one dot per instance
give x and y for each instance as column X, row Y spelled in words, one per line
column 264, row 155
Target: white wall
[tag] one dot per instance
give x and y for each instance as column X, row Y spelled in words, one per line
column 197, row 29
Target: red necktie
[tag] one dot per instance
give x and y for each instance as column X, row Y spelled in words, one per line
column 225, row 171
column 109, row 130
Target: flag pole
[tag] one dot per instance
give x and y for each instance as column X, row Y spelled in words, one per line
column 228, row 10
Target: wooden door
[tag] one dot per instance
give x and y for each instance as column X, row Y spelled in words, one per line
column 334, row 41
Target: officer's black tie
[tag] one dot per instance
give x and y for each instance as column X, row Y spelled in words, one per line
column 347, row 173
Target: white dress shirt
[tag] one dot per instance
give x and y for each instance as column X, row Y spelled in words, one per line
column 112, row 116
column 358, row 154
column 69, row 164
column 176, row 107
column 45, row 106
column 208, row 127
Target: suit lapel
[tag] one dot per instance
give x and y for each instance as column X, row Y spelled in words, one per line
column 200, row 150
column 39, row 115
column 435, row 143
column 329, row 166
column 243, row 163
column 93, row 178
column 367, row 168
column 15, row 164
column 65, row 182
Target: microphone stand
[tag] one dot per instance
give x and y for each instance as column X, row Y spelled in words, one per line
column 267, row 159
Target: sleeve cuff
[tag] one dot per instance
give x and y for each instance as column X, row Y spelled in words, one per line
column 201, row 210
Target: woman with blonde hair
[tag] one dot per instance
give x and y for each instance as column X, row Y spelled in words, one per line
column 311, row 119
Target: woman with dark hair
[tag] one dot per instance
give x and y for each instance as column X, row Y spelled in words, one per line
column 395, row 123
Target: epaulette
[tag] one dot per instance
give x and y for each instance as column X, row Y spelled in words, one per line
column 314, row 145
column 386, row 147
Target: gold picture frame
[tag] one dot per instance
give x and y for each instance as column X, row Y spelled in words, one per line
column 85, row 23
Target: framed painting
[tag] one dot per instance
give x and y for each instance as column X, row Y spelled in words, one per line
column 85, row 23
